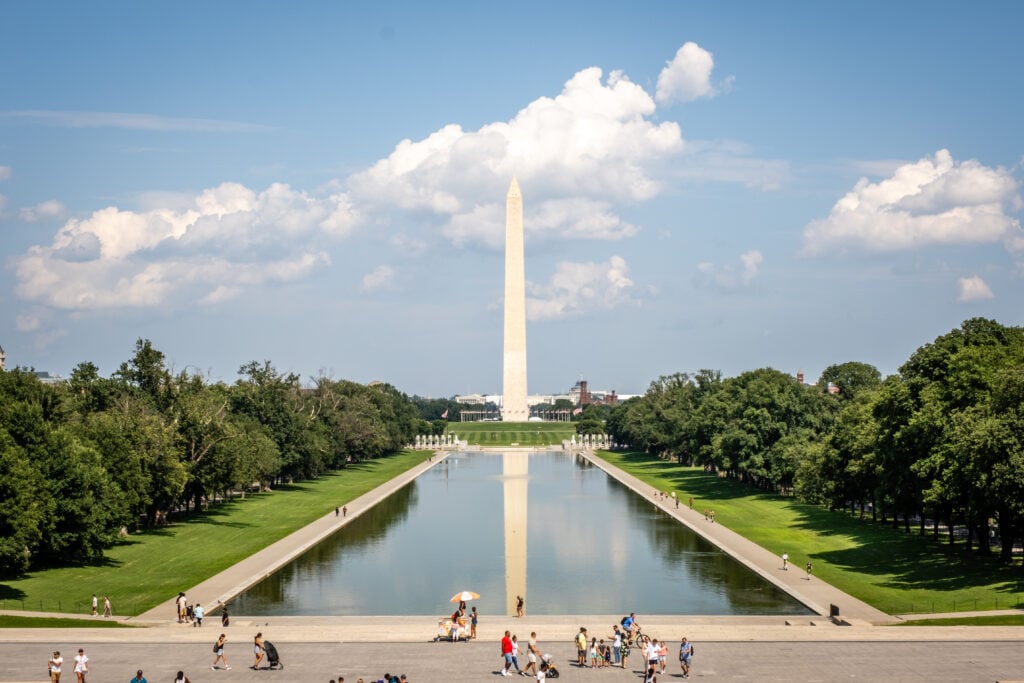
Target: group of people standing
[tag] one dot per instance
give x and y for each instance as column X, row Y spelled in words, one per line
column 596, row 653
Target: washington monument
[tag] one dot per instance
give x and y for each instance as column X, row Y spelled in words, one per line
column 513, row 392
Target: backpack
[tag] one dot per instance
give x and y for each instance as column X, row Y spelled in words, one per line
column 624, row 620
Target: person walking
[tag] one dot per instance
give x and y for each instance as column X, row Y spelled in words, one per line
column 685, row 655
column 515, row 654
column 180, row 602
column 506, row 653
column 218, row 652
column 139, row 678
column 54, row 665
column 532, row 655
column 225, row 620
column 472, row 623
column 785, row 561
column 808, row 570
column 81, row 665
column 663, row 657
column 106, row 607
column 257, row 650
column 198, row 614
column 520, row 603
column 182, row 678
column 95, row 605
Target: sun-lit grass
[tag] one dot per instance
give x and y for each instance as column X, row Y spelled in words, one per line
column 508, row 433
column 993, row 620
column 151, row 567
column 7, row 621
column 896, row 572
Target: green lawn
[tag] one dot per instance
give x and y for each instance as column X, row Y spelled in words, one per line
column 151, row 567
column 994, row 620
column 896, row 572
column 58, row 622
column 508, row 433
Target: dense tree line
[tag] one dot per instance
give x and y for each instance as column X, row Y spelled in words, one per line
column 940, row 441
column 83, row 459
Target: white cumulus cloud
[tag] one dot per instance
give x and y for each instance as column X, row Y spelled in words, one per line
column 688, row 76
column 226, row 239
column 577, row 289
column 381, row 277
column 730, row 277
column 48, row 209
column 933, row 201
column 592, row 144
column 973, row 289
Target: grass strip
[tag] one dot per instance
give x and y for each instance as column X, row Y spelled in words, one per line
column 896, row 572
column 152, row 566
column 508, row 433
column 992, row 620
column 9, row 621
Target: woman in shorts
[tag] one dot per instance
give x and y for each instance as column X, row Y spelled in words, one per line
column 257, row 650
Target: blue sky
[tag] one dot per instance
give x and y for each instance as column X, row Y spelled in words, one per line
column 715, row 185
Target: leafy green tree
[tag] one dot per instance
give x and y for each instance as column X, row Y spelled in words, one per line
column 851, row 378
column 23, row 510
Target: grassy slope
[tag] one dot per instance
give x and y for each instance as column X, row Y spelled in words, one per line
column 7, row 621
column 507, row 433
column 891, row 570
column 151, row 567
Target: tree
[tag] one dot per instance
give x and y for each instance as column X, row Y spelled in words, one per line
column 851, row 378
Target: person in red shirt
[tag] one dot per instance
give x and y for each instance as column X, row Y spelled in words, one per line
column 506, row 652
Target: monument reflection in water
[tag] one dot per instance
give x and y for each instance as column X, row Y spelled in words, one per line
column 547, row 526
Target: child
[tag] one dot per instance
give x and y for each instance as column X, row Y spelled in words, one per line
column 593, row 653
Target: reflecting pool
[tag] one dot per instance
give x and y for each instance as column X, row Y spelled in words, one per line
column 548, row 526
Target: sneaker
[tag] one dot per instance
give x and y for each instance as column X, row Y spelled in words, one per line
column 227, row 668
column 213, row 668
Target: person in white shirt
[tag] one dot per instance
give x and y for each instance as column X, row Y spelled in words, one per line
column 56, row 661
column 81, row 665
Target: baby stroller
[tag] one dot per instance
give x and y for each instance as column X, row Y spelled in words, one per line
column 552, row 670
column 272, row 656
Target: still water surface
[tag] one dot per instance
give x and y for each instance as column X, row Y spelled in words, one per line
column 548, row 526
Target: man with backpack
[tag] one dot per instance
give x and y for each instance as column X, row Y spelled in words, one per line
column 685, row 654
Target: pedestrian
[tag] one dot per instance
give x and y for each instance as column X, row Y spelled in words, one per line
column 198, row 613
column 592, row 653
column 616, row 637
column 225, row 620
column 337, row 511
column 218, row 654
column 542, row 674
column 624, row 650
column 581, row 647
column 180, row 677
column 344, row 510
column 651, row 653
column 95, row 604
column 257, row 650
column 691, row 502
column 472, row 624
column 506, row 653
column 685, row 655
column 785, row 561
column 180, row 602
column 106, row 607
column 663, row 656
column 651, row 677
column 519, row 605
column 532, row 653
column 808, row 570
column 515, row 654
column 712, row 513
column 139, row 678
column 54, row 665
column 81, row 665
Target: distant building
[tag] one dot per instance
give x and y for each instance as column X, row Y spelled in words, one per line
column 47, row 378
column 582, row 395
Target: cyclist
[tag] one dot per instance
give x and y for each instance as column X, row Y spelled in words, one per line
column 631, row 626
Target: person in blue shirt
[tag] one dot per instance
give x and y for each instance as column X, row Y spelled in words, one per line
column 139, row 678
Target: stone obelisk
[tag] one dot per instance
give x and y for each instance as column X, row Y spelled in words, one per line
column 513, row 393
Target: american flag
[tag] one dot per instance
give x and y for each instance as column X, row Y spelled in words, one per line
column 444, row 415
column 577, row 411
